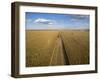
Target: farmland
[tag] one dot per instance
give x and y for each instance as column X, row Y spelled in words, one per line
column 56, row 47
column 39, row 47
column 77, row 46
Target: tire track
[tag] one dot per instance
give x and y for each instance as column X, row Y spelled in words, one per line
column 59, row 55
column 66, row 60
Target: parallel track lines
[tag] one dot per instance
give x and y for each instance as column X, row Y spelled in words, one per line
column 52, row 55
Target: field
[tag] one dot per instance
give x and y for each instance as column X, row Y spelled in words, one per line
column 56, row 47
column 77, row 46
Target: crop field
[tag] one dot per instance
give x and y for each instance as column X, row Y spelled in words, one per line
column 39, row 46
column 56, row 47
column 77, row 46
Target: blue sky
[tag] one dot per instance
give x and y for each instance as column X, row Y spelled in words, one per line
column 56, row 21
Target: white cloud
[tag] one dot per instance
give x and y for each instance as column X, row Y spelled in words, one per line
column 43, row 21
column 74, row 20
column 79, row 17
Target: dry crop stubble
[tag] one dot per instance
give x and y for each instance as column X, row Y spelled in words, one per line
column 77, row 46
column 40, row 45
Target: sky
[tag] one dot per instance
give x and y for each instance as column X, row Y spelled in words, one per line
column 56, row 21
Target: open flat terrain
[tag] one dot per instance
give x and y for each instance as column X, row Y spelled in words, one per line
column 52, row 47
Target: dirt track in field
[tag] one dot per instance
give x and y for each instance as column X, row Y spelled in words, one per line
column 59, row 55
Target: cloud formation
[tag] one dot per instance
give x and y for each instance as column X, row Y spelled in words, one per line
column 79, row 17
column 43, row 21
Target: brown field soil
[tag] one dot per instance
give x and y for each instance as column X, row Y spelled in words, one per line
column 44, row 48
